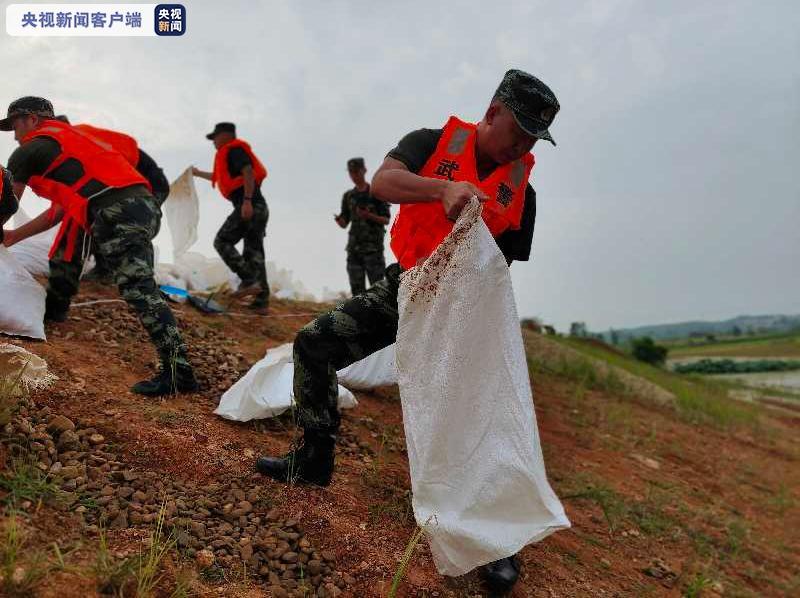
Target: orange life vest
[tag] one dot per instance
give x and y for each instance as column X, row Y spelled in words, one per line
column 100, row 163
column 124, row 144
column 221, row 176
column 420, row 227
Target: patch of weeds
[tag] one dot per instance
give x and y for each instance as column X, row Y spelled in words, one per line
column 183, row 586
column 703, row 543
column 589, row 539
column 112, row 574
column 618, row 418
column 23, row 481
column 150, row 562
column 571, row 559
column 782, row 500
column 406, row 560
column 612, row 505
column 18, row 579
column 213, row 574
column 649, row 514
column 694, row 589
column 736, row 536
column 397, row 507
column 88, row 502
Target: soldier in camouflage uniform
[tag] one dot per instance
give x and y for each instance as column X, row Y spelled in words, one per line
column 238, row 173
column 367, row 218
column 122, row 221
column 64, row 276
column 519, row 114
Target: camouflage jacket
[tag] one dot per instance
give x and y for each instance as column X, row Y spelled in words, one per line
column 365, row 236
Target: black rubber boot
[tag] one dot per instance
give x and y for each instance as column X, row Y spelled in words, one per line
column 247, row 288
column 55, row 311
column 309, row 463
column 167, row 382
column 500, row 576
column 259, row 303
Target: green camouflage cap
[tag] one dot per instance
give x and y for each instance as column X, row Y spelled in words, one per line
column 355, row 164
column 24, row 106
column 533, row 103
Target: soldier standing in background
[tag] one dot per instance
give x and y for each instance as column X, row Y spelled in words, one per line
column 367, row 218
column 238, row 173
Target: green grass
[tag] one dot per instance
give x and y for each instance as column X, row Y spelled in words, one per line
column 23, row 481
column 19, row 578
column 778, row 345
column 697, row 400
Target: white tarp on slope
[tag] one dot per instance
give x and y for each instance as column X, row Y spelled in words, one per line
column 21, row 299
column 266, row 390
column 477, row 471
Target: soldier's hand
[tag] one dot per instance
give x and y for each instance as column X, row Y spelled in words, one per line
column 247, row 210
column 363, row 213
column 457, row 194
column 195, row 171
column 9, row 237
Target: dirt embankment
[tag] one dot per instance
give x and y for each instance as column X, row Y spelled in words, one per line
column 659, row 506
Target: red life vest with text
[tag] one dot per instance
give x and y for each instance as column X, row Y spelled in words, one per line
column 420, row 227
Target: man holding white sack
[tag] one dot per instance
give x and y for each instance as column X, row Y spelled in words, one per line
column 432, row 174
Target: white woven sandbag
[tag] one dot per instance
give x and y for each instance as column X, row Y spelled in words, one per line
column 266, row 390
column 21, row 299
column 477, row 471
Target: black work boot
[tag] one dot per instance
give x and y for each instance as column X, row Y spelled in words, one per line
column 260, row 304
column 168, row 381
column 309, row 463
column 247, row 288
column 55, row 311
column 500, row 576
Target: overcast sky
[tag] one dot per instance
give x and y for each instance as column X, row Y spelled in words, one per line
column 671, row 195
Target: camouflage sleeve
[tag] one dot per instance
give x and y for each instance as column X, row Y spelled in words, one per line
column 344, row 213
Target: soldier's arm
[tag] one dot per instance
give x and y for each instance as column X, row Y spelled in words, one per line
column 395, row 183
column 41, row 223
column 343, row 218
column 249, row 180
column 202, row 174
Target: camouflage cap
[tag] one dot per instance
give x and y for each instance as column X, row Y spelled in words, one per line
column 533, row 103
column 24, row 106
column 222, row 128
column 355, row 164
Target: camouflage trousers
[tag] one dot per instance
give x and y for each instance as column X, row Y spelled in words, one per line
column 122, row 234
column 360, row 264
column 356, row 328
column 250, row 265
